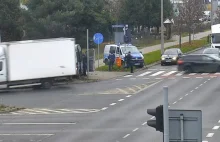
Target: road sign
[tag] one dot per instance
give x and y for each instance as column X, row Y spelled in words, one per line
column 98, row 38
column 185, row 125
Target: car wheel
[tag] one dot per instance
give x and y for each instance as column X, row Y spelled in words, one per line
column 188, row 69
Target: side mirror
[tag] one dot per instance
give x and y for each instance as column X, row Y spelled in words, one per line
column 141, row 52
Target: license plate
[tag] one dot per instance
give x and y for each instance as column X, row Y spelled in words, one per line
column 137, row 64
column 168, row 60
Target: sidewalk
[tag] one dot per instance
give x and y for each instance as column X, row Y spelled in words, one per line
column 157, row 47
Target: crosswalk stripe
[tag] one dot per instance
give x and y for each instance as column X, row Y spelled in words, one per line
column 128, row 76
column 38, row 111
column 143, row 74
column 54, row 111
column 179, row 74
column 217, row 73
column 169, row 73
column 192, row 74
column 204, row 73
column 157, row 73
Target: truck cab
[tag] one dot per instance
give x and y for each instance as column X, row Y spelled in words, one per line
column 215, row 36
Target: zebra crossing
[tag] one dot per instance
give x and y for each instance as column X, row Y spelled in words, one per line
column 50, row 111
column 172, row 73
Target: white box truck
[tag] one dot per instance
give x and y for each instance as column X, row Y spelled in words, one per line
column 37, row 63
column 215, row 40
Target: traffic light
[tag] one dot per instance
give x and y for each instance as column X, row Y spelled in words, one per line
column 158, row 113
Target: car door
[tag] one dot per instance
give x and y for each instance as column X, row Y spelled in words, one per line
column 196, row 63
column 209, row 64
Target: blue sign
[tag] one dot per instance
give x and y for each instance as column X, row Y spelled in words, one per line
column 98, row 38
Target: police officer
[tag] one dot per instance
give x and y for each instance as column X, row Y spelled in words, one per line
column 84, row 59
column 111, row 59
column 129, row 62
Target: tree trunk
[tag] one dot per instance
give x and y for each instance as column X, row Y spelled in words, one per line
column 189, row 36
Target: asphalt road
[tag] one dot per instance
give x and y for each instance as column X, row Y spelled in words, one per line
column 110, row 111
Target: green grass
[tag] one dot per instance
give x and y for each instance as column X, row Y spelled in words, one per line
column 7, row 109
column 155, row 56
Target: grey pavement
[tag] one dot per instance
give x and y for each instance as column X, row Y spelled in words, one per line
column 121, row 117
column 157, row 47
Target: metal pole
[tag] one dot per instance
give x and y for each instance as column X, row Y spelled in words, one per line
column 181, row 128
column 98, row 52
column 162, row 35
column 212, row 12
column 166, row 115
column 88, row 52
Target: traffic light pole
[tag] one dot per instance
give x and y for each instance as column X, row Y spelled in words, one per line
column 165, row 115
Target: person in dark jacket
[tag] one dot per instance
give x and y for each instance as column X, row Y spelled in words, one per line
column 129, row 62
column 84, row 59
column 111, row 58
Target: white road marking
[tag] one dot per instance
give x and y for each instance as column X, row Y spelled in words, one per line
column 121, row 90
column 179, row 74
column 152, row 117
column 169, row 73
column 128, row 96
column 38, row 123
column 199, row 77
column 192, row 74
column 153, row 69
column 128, row 75
column 121, row 100
column 104, row 108
column 137, row 87
column 145, row 73
column 219, row 121
column 144, row 123
column 174, row 102
column 204, row 141
column 209, row 79
column 200, row 84
column 26, row 134
column 186, row 94
column 157, row 73
column 36, row 110
column 217, row 73
column 215, row 127
column 205, row 81
column 181, row 98
column 191, row 91
column 112, row 104
column 210, row 135
column 126, row 136
column 135, row 129
column 52, row 111
column 204, row 73
column 131, row 89
column 186, row 77
column 168, row 106
column 158, row 78
column 213, row 77
column 196, row 87
column 118, row 79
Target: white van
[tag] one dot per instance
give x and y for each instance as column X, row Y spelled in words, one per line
column 122, row 50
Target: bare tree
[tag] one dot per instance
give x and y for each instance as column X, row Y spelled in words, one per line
column 191, row 12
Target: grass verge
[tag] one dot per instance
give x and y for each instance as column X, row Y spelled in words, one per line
column 7, row 109
column 154, row 56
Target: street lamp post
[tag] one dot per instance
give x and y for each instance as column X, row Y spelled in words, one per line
column 162, row 34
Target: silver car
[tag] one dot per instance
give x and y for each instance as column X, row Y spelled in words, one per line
column 213, row 51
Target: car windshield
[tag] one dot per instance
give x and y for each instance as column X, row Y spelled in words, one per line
column 170, row 52
column 132, row 49
column 211, row 51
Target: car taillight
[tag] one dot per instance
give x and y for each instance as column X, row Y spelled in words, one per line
column 179, row 62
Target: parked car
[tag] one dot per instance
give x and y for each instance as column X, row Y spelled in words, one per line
column 212, row 51
column 201, row 63
column 171, row 56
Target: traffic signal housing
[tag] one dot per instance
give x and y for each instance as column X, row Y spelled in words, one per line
column 158, row 114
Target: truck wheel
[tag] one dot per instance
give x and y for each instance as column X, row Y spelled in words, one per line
column 46, row 84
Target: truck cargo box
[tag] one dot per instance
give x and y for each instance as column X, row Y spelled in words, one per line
column 40, row 59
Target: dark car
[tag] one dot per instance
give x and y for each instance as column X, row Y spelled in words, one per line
column 201, row 63
column 171, row 56
column 212, row 51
